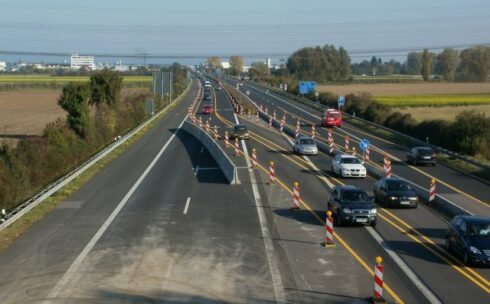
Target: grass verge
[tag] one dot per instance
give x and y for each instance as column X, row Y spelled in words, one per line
column 19, row 227
column 434, row 100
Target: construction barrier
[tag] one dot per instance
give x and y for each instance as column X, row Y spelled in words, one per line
column 272, row 173
column 313, row 131
column 432, row 190
column 366, row 155
column 281, row 128
column 295, row 196
column 270, row 122
column 378, row 281
column 257, row 117
column 227, row 139
column 297, row 128
column 346, row 143
column 254, row 158
column 329, row 230
column 387, row 166
column 216, row 135
column 237, row 147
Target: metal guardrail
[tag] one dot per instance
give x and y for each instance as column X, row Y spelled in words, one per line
column 26, row 206
column 413, row 139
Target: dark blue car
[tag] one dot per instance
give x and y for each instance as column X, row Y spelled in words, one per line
column 469, row 237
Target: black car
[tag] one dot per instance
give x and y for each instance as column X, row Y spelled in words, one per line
column 421, row 155
column 469, row 237
column 351, row 204
column 392, row 191
column 240, row 132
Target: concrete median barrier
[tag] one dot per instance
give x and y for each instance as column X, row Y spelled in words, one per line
column 224, row 162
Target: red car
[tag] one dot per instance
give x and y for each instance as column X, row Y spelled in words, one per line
column 332, row 118
column 207, row 109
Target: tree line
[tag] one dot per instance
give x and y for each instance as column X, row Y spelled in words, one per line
column 96, row 114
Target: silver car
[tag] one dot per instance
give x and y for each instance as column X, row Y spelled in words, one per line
column 305, row 145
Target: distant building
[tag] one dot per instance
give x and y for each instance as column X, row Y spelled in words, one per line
column 225, row 65
column 3, row 66
column 78, row 61
column 268, row 62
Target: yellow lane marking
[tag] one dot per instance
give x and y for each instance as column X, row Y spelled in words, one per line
column 457, row 268
column 486, row 204
column 428, row 240
column 337, row 236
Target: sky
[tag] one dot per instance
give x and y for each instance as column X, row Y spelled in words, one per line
column 252, row 28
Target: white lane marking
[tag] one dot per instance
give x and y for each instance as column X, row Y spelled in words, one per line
column 67, row 276
column 431, row 297
column 196, row 170
column 277, row 284
column 187, row 205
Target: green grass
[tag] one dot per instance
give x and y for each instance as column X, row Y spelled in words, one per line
column 62, row 79
column 19, row 227
column 434, row 100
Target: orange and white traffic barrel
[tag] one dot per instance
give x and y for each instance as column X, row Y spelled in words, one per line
column 295, row 196
column 329, row 230
column 432, row 190
column 378, row 281
column 254, row 158
column 346, row 143
column 272, row 173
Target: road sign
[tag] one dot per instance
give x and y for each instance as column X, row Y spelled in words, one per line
column 364, row 144
column 306, row 87
column 341, row 101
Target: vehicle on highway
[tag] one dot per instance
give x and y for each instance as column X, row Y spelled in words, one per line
column 207, row 84
column 207, row 96
column 207, row 109
column 347, row 165
column 305, row 145
column 240, row 132
column 351, row 204
column 393, row 191
column 469, row 237
column 421, row 155
column 332, row 118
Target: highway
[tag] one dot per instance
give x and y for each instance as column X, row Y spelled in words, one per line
column 417, row 235
column 161, row 224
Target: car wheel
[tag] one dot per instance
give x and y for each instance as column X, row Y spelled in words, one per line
column 447, row 244
column 415, row 206
column 338, row 220
column 373, row 223
column 414, row 162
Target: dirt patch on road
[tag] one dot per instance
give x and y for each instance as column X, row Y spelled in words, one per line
column 391, row 89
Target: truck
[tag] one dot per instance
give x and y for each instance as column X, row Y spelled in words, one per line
column 332, row 118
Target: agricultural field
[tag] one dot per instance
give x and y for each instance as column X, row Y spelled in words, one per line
column 434, row 100
column 409, row 89
column 62, row 79
column 26, row 113
column 445, row 113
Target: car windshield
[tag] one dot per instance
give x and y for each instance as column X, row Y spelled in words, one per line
column 398, row 186
column 306, row 141
column 480, row 229
column 350, row 160
column 240, row 128
column 425, row 152
column 355, row 196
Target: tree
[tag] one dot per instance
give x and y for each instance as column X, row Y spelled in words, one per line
column 105, row 87
column 447, row 62
column 74, row 100
column 320, row 63
column 214, row 62
column 413, row 64
column 258, row 70
column 426, row 68
column 236, row 65
column 475, row 64
column 471, row 132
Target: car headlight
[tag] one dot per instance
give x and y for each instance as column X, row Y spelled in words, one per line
column 346, row 210
column 413, row 198
column 475, row 250
column 374, row 211
column 393, row 197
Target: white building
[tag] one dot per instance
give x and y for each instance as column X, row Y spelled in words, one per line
column 225, row 65
column 3, row 66
column 78, row 61
column 268, row 62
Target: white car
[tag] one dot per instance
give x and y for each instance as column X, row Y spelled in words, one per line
column 348, row 166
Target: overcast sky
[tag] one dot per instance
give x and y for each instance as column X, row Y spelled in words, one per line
column 246, row 27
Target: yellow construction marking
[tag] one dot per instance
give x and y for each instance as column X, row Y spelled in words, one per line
column 337, row 236
column 411, row 167
column 457, row 268
column 428, row 240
